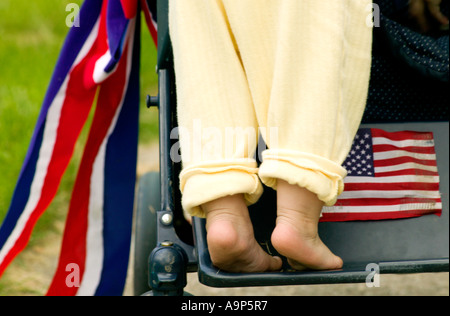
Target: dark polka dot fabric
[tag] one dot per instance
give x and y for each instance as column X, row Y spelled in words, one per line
column 410, row 70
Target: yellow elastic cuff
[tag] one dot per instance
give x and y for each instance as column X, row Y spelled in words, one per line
column 317, row 174
column 209, row 181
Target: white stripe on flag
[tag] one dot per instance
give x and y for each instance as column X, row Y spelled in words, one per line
column 100, row 74
column 383, row 208
column 401, row 153
column 405, row 166
column 402, row 143
column 393, row 194
column 94, row 239
column 393, row 179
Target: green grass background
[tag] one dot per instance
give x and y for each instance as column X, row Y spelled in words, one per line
column 31, row 36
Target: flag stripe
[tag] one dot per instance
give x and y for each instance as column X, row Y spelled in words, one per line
column 410, row 149
column 410, row 172
column 400, row 153
column 395, row 179
column 398, row 186
column 374, row 216
column 402, row 135
column 403, row 160
column 150, row 18
column 405, row 143
column 385, row 208
column 367, row 193
column 385, row 201
column 406, row 166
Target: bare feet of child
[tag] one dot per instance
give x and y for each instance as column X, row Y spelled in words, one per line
column 296, row 233
column 230, row 237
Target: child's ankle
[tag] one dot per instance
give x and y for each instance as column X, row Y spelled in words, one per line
column 295, row 198
column 226, row 207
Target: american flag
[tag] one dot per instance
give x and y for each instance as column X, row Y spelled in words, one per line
column 390, row 176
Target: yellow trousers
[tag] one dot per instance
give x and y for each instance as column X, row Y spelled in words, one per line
column 295, row 72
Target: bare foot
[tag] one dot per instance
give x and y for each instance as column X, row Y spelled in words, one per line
column 231, row 241
column 296, row 233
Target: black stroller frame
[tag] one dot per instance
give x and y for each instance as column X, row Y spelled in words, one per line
column 167, row 247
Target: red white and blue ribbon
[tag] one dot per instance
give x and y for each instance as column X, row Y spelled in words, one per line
column 99, row 61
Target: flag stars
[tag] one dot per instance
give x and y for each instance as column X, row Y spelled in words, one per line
column 359, row 161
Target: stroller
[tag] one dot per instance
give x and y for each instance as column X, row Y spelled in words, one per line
column 401, row 97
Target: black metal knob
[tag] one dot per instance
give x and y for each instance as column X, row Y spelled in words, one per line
column 152, row 101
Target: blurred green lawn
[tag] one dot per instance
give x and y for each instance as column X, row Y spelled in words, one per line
column 31, row 36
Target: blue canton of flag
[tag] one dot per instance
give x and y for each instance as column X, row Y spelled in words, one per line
column 359, row 161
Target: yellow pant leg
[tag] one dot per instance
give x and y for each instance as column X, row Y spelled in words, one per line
column 218, row 127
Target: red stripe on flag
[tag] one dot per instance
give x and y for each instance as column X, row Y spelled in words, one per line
column 404, row 135
column 151, row 25
column 415, row 186
column 129, row 8
column 402, row 160
column 408, row 172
